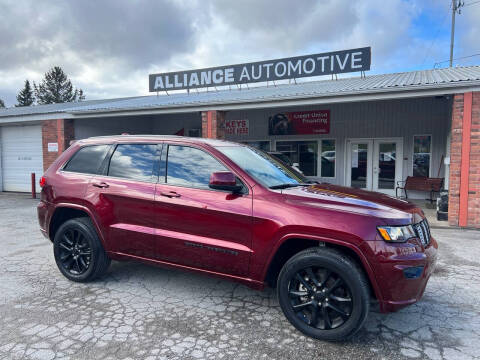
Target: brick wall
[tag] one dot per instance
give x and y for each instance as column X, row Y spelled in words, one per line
column 474, row 178
column 55, row 131
column 213, row 124
column 472, row 172
column 455, row 159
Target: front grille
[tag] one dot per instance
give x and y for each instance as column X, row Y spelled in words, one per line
column 423, row 231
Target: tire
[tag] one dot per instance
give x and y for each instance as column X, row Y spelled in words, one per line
column 78, row 251
column 324, row 294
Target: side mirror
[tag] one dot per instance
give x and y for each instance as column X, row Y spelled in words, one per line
column 224, row 181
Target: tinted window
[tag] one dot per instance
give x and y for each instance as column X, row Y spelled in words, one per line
column 133, row 161
column 88, row 159
column 190, row 167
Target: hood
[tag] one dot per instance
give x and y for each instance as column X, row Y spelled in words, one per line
column 392, row 210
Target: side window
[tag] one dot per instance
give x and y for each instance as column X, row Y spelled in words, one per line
column 188, row 166
column 133, row 161
column 88, row 159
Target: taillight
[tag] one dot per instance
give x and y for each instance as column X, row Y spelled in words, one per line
column 42, row 181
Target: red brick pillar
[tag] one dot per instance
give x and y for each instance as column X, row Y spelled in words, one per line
column 213, row 124
column 58, row 131
column 464, row 184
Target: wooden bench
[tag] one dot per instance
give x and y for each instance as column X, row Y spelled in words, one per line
column 420, row 183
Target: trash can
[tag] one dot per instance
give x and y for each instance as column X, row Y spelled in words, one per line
column 442, row 206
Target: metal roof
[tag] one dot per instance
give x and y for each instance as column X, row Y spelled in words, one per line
column 447, row 78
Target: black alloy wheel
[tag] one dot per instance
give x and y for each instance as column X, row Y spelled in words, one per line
column 75, row 252
column 324, row 293
column 78, row 251
column 320, row 298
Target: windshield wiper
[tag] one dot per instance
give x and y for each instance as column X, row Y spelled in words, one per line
column 288, row 185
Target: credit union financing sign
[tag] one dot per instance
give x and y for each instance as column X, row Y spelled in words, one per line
column 288, row 68
column 300, row 123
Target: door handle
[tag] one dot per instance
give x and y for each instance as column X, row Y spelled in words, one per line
column 170, row 194
column 101, row 185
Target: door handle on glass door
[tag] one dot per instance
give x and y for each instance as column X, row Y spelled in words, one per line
column 101, row 185
column 170, row 194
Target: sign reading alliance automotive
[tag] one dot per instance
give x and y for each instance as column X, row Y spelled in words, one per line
column 288, row 68
column 300, row 123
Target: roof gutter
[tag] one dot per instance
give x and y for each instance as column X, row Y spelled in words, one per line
column 35, row 117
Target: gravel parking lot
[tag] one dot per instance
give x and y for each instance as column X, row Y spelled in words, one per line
column 142, row 312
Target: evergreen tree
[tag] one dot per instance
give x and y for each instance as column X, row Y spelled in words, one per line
column 25, row 96
column 2, row 104
column 56, row 88
column 81, row 95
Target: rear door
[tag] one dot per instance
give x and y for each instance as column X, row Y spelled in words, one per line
column 123, row 196
column 198, row 226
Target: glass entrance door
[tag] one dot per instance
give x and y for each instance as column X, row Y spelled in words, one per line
column 387, row 165
column 374, row 164
column 359, row 164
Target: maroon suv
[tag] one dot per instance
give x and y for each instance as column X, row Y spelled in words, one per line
column 232, row 211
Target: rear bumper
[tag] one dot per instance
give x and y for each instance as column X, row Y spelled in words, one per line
column 402, row 272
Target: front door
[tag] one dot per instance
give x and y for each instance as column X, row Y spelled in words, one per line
column 374, row 164
column 198, row 226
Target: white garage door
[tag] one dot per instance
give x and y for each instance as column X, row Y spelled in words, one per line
column 21, row 155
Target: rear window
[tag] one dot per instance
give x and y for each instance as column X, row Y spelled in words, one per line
column 88, row 159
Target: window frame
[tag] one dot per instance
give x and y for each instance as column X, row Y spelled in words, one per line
column 155, row 169
column 430, row 153
column 164, row 160
column 100, row 167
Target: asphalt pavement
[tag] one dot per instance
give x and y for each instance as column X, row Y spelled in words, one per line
column 143, row 312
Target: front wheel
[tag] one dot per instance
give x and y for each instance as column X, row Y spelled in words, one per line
column 324, row 294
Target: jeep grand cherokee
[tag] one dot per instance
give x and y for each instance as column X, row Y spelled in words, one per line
column 232, row 211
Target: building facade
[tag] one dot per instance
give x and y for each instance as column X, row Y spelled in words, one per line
column 366, row 132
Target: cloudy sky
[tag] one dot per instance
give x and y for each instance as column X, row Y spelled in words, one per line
column 108, row 47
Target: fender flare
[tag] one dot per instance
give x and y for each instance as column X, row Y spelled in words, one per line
column 84, row 209
column 364, row 262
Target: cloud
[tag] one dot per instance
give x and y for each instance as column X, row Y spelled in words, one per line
column 95, row 42
column 109, row 47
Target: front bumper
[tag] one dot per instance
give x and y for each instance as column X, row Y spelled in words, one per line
column 402, row 271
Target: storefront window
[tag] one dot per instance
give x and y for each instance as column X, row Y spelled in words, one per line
column 421, row 155
column 328, row 158
column 260, row 145
column 302, row 154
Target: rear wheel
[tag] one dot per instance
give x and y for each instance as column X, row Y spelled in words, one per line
column 78, row 252
column 324, row 294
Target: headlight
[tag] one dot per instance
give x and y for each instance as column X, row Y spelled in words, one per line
column 396, row 233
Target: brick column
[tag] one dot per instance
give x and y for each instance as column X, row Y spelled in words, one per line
column 464, row 186
column 213, row 124
column 55, row 131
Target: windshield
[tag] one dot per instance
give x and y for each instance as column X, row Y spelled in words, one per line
column 262, row 167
